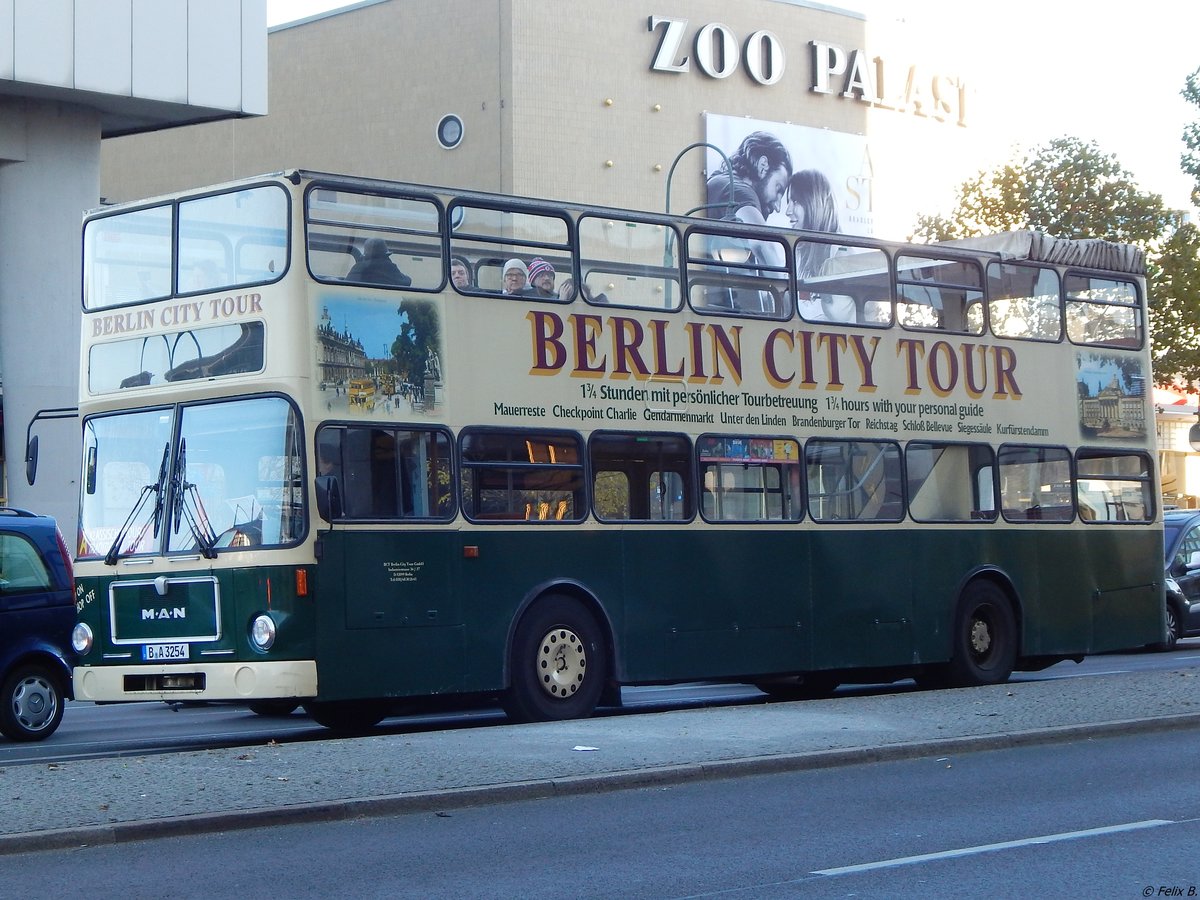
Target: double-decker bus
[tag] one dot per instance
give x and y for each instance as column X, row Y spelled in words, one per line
column 339, row 451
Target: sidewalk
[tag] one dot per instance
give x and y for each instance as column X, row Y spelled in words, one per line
column 134, row 798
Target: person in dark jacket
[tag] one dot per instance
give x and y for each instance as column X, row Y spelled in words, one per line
column 376, row 266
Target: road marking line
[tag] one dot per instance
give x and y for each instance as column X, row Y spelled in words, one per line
column 989, row 848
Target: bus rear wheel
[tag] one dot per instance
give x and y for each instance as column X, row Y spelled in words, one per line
column 985, row 637
column 558, row 663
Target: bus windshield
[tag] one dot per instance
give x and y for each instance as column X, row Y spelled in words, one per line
column 232, row 479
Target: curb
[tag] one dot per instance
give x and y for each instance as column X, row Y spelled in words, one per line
column 515, row 792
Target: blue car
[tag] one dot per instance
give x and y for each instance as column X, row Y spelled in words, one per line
column 37, row 613
column 1182, row 549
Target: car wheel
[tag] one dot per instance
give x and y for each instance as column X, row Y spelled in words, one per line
column 1171, row 631
column 31, row 704
column 984, row 647
column 558, row 663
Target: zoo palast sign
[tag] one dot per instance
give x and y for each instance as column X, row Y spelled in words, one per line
column 851, row 74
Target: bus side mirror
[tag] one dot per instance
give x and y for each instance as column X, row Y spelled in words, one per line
column 90, row 472
column 329, row 498
column 31, row 457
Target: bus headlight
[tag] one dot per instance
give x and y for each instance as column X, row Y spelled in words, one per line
column 262, row 632
column 81, row 638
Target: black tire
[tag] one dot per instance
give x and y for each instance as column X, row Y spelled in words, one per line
column 558, row 663
column 984, row 648
column 814, row 686
column 352, row 716
column 31, row 704
column 1172, row 630
column 273, row 709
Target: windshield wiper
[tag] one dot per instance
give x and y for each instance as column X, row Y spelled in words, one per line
column 155, row 520
column 189, row 507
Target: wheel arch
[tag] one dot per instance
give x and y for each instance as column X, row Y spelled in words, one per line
column 49, row 659
column 1000, row 579
column 563, row 587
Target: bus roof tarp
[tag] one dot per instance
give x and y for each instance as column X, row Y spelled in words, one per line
column 1091, row 253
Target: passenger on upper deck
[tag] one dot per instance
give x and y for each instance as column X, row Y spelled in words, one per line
column 566, row 291
column 376, row 267
column 460, row 273
column 541, row 276
column 515, row 276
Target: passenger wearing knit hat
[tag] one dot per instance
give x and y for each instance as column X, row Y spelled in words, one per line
column 541, row 276
column 515, row 275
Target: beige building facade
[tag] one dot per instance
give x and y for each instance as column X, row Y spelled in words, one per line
column 570, row 99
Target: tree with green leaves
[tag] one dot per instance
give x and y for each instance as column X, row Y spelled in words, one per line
column 1175, row 275
column 418, row 336
column 1070, row 189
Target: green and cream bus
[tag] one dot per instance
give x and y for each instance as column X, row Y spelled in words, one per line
column 341, row 449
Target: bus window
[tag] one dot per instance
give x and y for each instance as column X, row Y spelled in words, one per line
column 1114, row 487
column 492, row 237
column 127, row 257
column 950, row 482
column 1103, row 311
column 939, row 294
column 233, row 239
column 731, row 274
column 178, row 356
column 388, row 473
column 524, row 476
column 843, row 283
column 380, row 239
column 630, row 263
column 749, row 479
column 1024, row 301
column 656, row 470
column 1035, row 484
column 852, row 481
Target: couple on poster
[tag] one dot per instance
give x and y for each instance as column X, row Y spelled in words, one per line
column 759, row 180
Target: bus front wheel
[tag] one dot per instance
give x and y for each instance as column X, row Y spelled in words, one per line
column 347, row 715
column 985, row 637
column 558, row 663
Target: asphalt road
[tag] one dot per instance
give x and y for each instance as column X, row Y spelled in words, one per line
column 1112, row 817
column 91, row 731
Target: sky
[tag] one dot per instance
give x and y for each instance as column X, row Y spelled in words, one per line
column 1042, row 69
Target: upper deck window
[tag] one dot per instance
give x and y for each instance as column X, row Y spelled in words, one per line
column 939, row 294
column 377, row 239
column 628, row 263
column 842, row 283
column 227, row 240
column 127, row 257
column 1024, row 301
column 736, row 275
column 1103, row 311
column 232, row 239
column 512, row 252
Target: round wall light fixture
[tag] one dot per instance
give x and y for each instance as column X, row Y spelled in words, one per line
column 450, row 131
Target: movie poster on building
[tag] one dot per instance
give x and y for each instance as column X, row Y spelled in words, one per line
column 826, row 185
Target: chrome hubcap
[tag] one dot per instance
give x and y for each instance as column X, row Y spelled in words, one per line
column 561, row 661
column 34, row 703
column 981, row 637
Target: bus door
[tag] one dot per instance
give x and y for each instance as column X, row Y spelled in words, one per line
column 386, row 565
